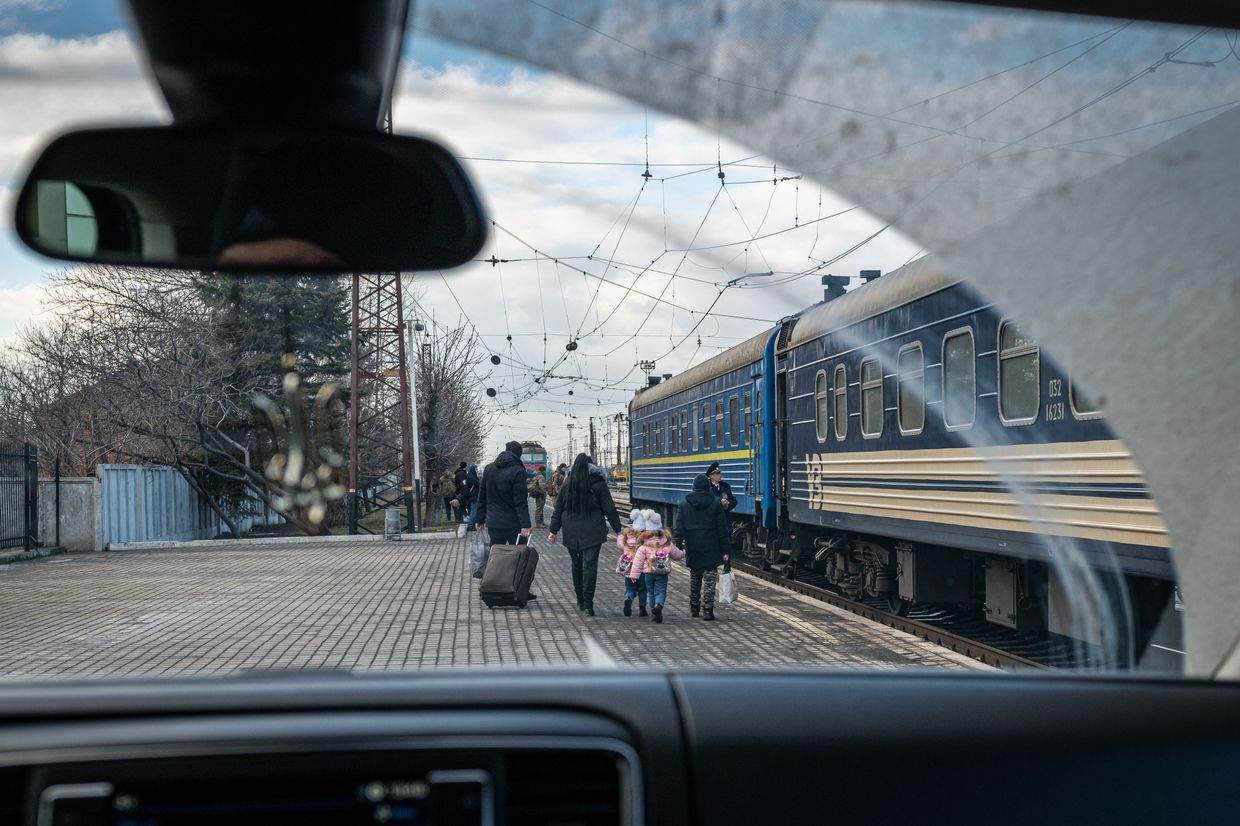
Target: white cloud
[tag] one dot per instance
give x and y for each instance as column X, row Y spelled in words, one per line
column 570, row 212
column 53, row 85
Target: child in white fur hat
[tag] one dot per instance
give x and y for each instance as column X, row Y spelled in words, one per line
column 654, row 559
column 629, row 540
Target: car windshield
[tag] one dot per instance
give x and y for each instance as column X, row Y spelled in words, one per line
column 848, row 326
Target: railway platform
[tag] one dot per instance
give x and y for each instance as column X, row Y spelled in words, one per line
column 219, row 608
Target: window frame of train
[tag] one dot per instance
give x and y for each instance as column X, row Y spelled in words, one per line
column 747, row 407
column 705, row 426
column 1019, row 351
column 904, row 377
column 734, row 420
column 960, row 332
column 820, row 405
column 669, row 427
column 1078, row 414
column 839, row 391
column 684, row 433
column 719, row 432
column 869, row 386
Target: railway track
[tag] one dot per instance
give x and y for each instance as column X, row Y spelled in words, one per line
column 956, row 630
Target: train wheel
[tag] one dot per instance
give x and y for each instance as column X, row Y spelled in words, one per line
column 898, row 606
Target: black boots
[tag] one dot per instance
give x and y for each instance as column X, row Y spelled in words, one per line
column 642, row 611
column 658, row 613
column 708, row 614
column 628, row 606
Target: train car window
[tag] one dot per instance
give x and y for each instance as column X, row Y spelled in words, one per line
column 1083, row 405
column 1019, row 375
column 646, row 439
column 911, row 389
column 820, row 405
column 841, row 402
column 705, row 427
column 719, row 442
column 734, row 420
column 871, row 398
column 959, row 379
column 684, row 433
column 670, row 427
column 747, row 435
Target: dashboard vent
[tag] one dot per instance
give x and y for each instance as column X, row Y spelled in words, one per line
column 564, row 788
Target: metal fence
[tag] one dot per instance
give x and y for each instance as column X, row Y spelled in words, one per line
column 19, row 496
column 144, row 504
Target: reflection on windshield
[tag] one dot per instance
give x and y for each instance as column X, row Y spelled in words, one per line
column 927, row 444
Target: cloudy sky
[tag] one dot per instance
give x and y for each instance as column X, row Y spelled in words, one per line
column 673, row 267
column 623, row 265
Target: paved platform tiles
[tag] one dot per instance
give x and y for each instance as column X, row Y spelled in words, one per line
column 405, row 605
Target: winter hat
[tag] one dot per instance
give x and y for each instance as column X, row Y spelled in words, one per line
column 464, row 465
column 700, row 482
column 654, row 522
column 713, row 467
column 514, row 448
column 637, row 520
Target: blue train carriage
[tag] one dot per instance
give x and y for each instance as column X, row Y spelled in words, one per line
column 712, row 412
column 936, row 455
column 532, row 455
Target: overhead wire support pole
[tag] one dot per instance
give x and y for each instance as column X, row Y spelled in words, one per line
column 381, row 410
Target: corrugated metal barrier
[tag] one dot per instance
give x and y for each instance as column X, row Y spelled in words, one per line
column 145, row 504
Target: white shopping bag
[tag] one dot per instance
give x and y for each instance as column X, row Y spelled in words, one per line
column 479, row 552
column 725, row 593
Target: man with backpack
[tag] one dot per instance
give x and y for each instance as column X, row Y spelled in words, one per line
column 537, row 488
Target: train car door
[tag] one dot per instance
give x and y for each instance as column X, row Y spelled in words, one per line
column 781, row 426
column 753, row 432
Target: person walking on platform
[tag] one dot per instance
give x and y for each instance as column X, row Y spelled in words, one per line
column 468, row 494
column 654, row 560
column 628, row 541
column 537, row 487
column 720, row 489
column 557, row 480
column 462, row 495
column 503, row 505
column 702, row 530
column 583, row 510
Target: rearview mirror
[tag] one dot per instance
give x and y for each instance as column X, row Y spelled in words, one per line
column 224, row 198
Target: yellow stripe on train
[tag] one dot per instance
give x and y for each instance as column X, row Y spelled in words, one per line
column 694, row 460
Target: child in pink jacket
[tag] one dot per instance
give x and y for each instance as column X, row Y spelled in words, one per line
column 654, row 559
column 629, row 540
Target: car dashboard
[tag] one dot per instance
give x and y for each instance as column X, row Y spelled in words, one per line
column 503, row 747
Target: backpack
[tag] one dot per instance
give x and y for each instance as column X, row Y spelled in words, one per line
column 447, row 488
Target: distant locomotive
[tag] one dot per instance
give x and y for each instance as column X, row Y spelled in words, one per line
column 909, row 443
column 532, row 455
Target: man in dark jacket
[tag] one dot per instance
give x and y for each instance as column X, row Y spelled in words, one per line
column 462, row 490
column 503, row 505
column 720, row 489
column 702, row 531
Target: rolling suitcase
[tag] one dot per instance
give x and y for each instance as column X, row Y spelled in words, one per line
column 509, row 573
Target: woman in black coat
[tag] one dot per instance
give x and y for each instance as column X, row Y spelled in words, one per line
column 702, row 531
column 583, row 509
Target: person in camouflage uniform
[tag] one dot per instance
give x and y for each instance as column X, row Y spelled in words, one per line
column 537, row 489
column 557, row 480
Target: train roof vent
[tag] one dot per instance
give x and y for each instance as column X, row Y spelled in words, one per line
column 785, row 333
column 869, row 275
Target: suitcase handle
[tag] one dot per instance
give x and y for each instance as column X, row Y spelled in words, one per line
column 520, row 537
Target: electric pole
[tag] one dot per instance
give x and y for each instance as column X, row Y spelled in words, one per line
column 592, row 448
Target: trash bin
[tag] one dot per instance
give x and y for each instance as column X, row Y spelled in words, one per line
column 391, row 523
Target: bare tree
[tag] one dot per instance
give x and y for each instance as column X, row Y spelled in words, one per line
column 451, row 421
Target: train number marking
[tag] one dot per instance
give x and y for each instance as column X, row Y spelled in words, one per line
column 1054, row 388
column 1054, row 411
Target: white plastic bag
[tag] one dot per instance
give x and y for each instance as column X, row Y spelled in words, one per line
column 725, row 593
column 479, row 552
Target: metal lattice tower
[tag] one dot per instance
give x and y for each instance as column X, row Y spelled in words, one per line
column 379, row 417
